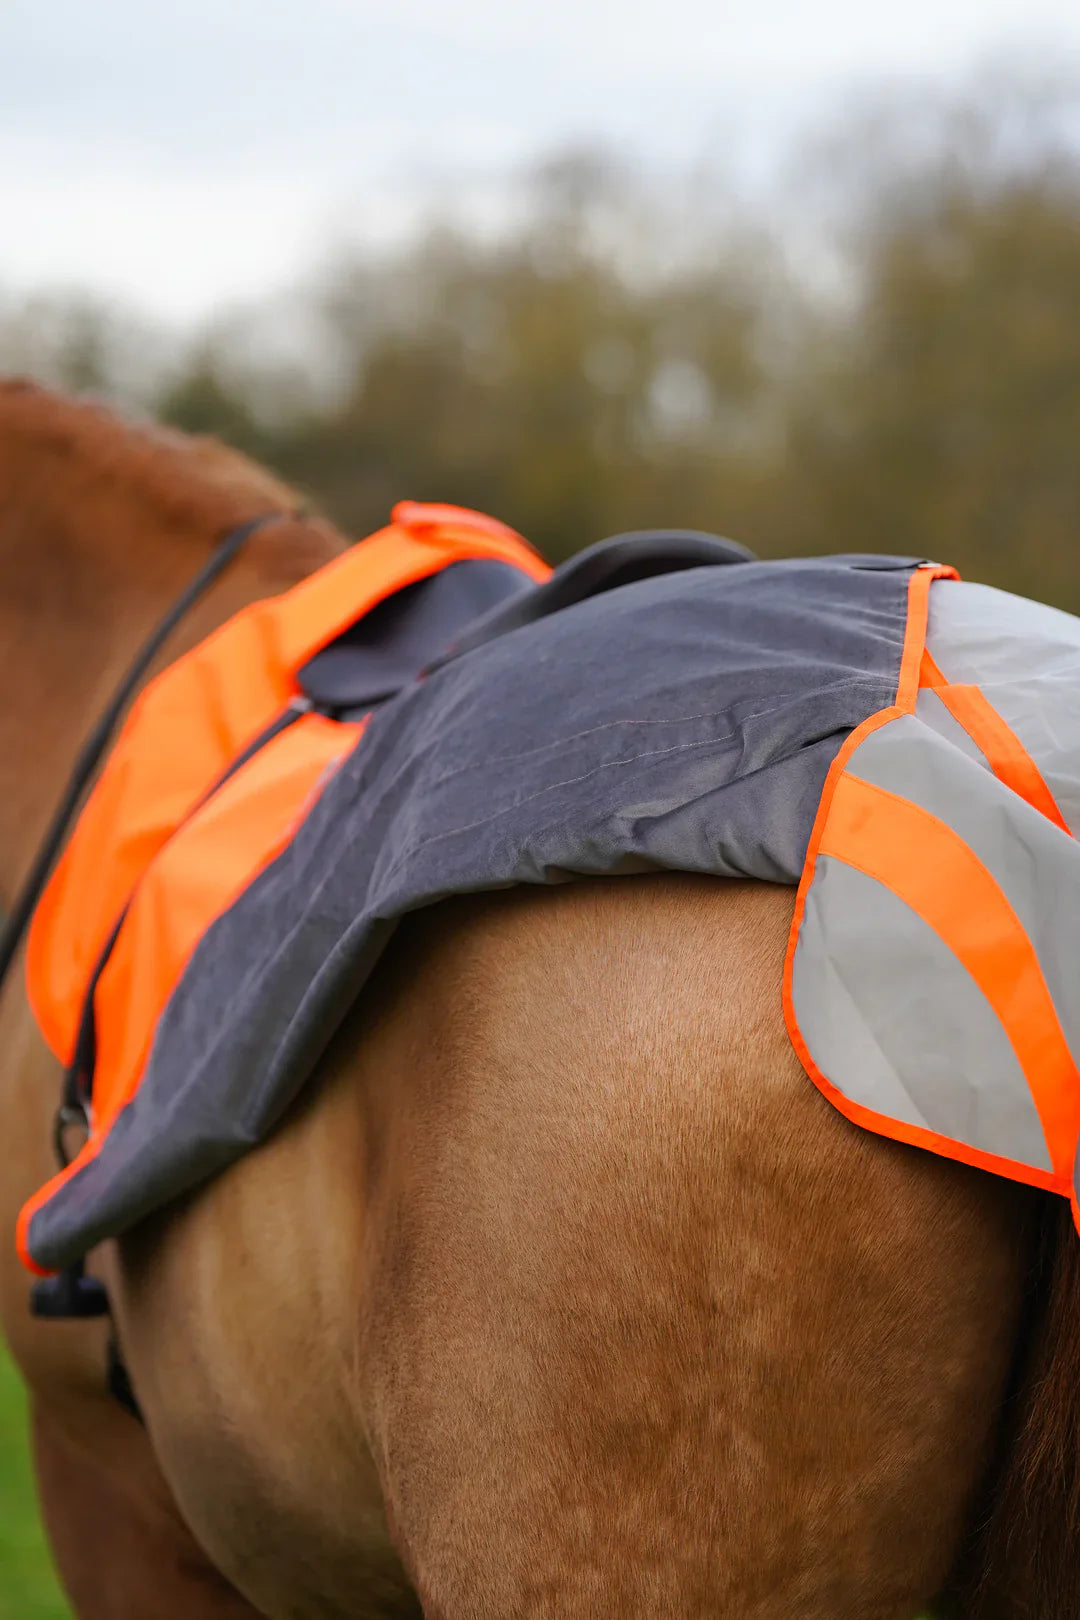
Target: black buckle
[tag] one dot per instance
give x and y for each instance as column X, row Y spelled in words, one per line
column 70, row 1294
column 69, row 1114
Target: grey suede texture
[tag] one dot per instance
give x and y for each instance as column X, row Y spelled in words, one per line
column 685, row 722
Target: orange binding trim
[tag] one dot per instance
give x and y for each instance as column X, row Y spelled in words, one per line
column 1005, row 753
column 907, row 692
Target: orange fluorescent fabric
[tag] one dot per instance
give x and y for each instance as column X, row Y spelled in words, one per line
column 193, row 720
column 1005, row 753
column 159, row 837
column 196, row 877
column 208, row 862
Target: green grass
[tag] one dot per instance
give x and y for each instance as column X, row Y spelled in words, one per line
column 28, row 1587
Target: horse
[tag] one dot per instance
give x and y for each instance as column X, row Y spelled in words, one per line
column 560, row 1292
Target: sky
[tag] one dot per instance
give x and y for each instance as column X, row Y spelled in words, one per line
column 187, row 157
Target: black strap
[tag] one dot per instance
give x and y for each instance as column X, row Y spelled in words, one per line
column 74, row 1108
column 73, row 1294
column 97, row 742
column 118, row 1380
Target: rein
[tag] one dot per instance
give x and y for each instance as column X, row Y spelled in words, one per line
column 71, row 1293
column 95, row 745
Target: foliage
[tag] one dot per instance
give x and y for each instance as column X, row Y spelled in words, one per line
column 28, row 1589
column 625, row 358
column 942, row 412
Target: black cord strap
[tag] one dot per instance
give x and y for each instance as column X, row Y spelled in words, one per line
column 99, row 739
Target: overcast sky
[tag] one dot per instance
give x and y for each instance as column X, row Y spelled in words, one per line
column 183, row 156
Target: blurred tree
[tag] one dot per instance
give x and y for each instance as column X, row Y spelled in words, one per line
column 941, row 414
column 534, row 378
column 631, row 355
column 200, row 399
column 82, row 344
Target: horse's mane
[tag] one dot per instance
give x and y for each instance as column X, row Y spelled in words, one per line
column 55, row 448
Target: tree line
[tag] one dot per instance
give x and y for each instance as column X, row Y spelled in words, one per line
column 889, row 362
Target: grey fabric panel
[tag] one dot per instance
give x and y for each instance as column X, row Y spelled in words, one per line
column 1036, row 864
column 685, row 722
column 388, row 647
column 154, row 1155
column 933, row 713
column 1026, row 658
column 935, row 1056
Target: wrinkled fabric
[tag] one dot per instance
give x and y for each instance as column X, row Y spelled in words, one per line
column 683, row 722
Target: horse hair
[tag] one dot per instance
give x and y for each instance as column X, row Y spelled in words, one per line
column 101, row 453
column 1023, row 1558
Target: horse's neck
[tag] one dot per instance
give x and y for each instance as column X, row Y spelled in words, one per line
column 70, row 624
